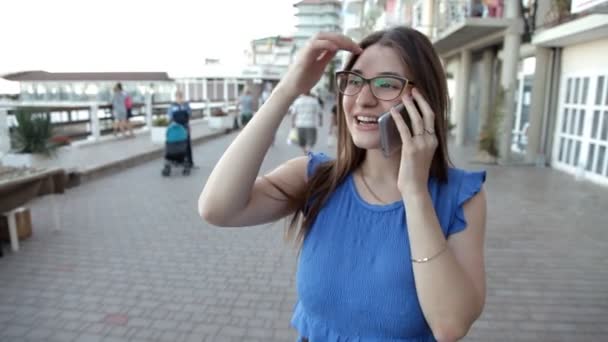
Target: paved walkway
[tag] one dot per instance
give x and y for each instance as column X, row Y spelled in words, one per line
column 134, row 262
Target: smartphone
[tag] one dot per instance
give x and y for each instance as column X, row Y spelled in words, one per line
column 390, row 140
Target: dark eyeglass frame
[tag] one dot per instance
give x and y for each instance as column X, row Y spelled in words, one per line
column 405, row 83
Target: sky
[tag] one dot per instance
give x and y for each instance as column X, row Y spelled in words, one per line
column 134, row 35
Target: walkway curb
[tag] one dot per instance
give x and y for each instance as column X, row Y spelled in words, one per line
column 82, row 176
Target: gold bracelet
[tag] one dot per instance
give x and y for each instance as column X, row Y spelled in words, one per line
column 423, row 260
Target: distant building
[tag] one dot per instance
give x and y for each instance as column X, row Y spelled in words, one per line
column 316, row 16
column 90, row 86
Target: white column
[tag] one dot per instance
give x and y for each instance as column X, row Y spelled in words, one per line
column 94, row 116
column 5, row 140
column 428, row 13
column 486, row 87
column 509, row 79
column 206, row 97
column 186, row 90
column 149, row 109
column 205, row 89
column 537, row 107
column 462, row 95
column 226, row 92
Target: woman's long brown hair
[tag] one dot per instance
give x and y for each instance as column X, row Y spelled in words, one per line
column 417, row 52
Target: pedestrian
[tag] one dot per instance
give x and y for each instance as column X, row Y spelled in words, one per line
column 390, row 247
column 307, row 115
column 333, row 127
column 180, row 112
column 119, row 111
column 129, row 107
column 244, row 107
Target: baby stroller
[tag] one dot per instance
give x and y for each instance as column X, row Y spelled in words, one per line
column 176, row 149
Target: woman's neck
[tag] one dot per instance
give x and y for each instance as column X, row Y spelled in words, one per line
column 379, row 169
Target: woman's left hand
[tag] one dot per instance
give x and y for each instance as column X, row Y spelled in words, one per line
column 418, row 146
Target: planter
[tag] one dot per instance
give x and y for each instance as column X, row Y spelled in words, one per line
column 28, row 160
column 34, row 160
column 221, row 122
column 157, row 134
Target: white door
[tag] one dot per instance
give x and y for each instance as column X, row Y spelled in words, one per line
column 581, row 141
column 596, row 164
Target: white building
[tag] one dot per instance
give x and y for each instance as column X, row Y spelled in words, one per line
column 547, row 60
column 316, row 16
column 275, row 52
column 361, row 17
column 571, row 80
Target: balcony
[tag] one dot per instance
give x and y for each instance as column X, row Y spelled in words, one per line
column 460, row 22
column 580, row 23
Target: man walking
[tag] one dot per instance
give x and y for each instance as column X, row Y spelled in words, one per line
column 305, row 112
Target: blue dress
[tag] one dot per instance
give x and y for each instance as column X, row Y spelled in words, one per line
column 354, row 279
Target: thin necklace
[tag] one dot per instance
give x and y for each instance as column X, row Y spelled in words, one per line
column 369, row 189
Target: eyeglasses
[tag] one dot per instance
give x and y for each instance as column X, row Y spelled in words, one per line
column 385, row 87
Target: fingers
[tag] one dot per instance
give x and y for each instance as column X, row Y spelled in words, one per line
column 428, row 116
column 415, row 118
column 319, row 47
column 321, row 50
column 404, row 131
column 326, row 56
column 341, row 41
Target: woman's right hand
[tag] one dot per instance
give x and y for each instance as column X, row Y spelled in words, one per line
column 312, row 59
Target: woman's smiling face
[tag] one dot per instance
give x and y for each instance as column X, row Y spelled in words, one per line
column 363, row 109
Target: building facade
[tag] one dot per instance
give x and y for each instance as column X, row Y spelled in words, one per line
column 314, row 16
column 572, row 73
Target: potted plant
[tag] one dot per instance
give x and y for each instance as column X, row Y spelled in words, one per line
column 159, row 129
column 32, row 138
column 220, row 119
column 489, row 136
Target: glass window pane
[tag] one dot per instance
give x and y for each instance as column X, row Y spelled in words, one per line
column 581, row 122
column 572, row 121
column 605, row 127
column 585, row 87
column 594, row 127
column 600, row 90
column 599, row 167
column 606, row 95
column 568, row 151
column 576, row 88
column 568, row 85
column 565, row 120
column 561, row 150
column 590, row 156
column 577, row 152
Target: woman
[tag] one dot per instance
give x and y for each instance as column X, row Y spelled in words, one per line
column 119, row 110
column 180, row 112
column 391, row 248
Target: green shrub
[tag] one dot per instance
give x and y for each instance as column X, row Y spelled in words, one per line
column 33, row 132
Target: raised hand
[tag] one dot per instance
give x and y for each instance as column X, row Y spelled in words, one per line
column 418, row 146
column 311, row 61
